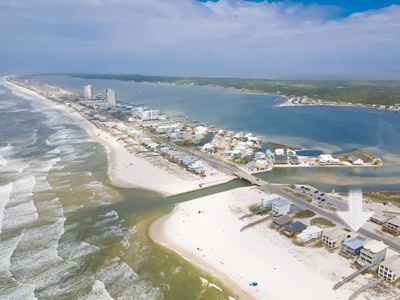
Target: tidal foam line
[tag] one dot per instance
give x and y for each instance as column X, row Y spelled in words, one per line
column 5, row 192
column 20, row 210
column 7, row 248
column 98, row 291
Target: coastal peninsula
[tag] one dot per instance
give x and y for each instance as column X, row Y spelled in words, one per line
column 246, row 256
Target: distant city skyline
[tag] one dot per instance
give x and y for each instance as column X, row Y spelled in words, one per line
column 226, row 38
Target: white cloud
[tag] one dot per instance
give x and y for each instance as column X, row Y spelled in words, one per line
column 229, row 38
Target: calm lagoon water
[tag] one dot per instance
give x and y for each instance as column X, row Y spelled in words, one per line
column 67, row 233
column 327, row 129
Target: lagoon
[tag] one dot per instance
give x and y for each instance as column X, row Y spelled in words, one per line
column 330, row 129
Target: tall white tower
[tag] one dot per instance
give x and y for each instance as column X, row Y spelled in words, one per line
column 88, row 92
column 110, row 96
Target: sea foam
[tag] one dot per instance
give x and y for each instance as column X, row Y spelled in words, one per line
column 5, row 192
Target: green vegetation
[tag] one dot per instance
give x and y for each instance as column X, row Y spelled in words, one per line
column 304, row 214
column 258, row 209
column 322, row 222
column 378, row 92
column 384, row 197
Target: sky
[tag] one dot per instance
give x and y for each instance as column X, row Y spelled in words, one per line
column 353, row 39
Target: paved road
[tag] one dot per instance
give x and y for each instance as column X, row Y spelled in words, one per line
column 230, row 170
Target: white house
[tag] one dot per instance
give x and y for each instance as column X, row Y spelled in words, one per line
column 327, row 159
column 311, row 232
column 236, row 154
column 279, row 152
column 261, row 164
column 390, row 268
column 201, row 130
column 355, row 160
column 280, row 207
column 373, row 253
column 259, row 155
column 208, row 148
column 267, row 200
column 334, row 237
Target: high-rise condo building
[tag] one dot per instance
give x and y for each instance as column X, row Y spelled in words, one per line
column 88, row 92
column 110, row 97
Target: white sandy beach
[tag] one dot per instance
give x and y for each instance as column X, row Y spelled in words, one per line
column 206, row 231
column 127, row 169
column 281, row 269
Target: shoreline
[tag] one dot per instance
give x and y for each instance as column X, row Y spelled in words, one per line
column 125, row 169
column 157, row 234
column 207, row 232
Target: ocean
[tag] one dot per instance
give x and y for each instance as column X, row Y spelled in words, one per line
column 65, row 231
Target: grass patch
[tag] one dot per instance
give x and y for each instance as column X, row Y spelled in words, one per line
column 254, row 208
column 322, row 222
column 304, row 214
column 393, row 197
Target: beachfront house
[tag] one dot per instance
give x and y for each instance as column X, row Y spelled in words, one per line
column 280, row 207
column 280, row 221
column 390, row 268
column 294, row 228
column 308, row 234
column 352, row 247
column 373, row 253
column 334, row 237
column 393, row 225
column 267, row 200
column 355, row 160
column 379, row 219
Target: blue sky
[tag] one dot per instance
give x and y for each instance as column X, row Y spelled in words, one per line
column 230, row 38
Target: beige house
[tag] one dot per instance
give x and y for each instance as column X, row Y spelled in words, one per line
column 390, row 268
column 334, row 237
column 393, row 225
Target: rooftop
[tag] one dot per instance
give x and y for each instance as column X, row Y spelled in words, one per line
column 295, row 226
column 375, row 246
column 312, row 229
column 354, row 243
column 284, row 219
column 335, row 233
column 281, row 202
column 392, row 263
column 395, row 221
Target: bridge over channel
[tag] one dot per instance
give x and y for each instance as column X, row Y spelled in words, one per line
column 250, row 178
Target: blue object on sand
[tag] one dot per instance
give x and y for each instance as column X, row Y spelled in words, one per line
column 254, row 283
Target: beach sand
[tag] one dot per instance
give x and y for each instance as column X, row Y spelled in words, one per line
column 206, row 231
column 126, row 169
